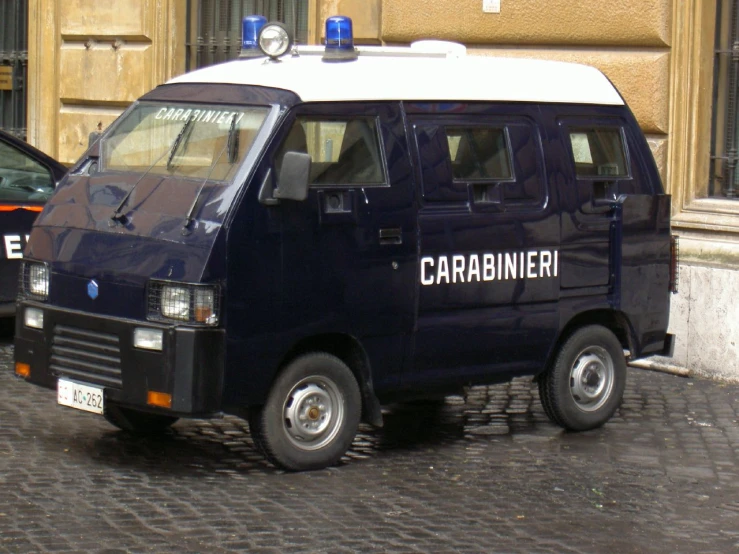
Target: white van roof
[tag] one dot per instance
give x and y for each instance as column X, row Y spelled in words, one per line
column 421, row 72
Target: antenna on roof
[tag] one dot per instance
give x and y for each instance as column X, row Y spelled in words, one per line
column 295, row 21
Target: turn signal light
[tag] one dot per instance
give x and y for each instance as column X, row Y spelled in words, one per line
column 160, row 399
column 24, row 370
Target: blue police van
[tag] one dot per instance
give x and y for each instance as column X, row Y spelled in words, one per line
column 304, row 234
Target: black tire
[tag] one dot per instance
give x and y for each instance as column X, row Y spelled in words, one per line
column 584, row 386
column 311, row 415
column 133, row 421
column 255, row 430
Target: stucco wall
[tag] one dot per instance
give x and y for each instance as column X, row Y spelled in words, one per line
column 88, row 60
column 366, row 18
column 553, row 22
column 704, row 318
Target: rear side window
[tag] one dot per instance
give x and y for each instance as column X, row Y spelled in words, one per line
column 342, row 151
column 598, row 153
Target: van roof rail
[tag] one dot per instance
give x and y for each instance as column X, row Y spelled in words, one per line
column 418, row 49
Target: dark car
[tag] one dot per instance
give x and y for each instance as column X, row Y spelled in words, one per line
column 27, row 179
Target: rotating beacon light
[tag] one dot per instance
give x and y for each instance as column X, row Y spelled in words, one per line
column 339, row 40
column 250, row 27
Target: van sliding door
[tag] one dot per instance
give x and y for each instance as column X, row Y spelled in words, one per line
column 489, row 240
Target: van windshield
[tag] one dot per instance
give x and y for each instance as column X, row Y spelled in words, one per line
column 186, row 140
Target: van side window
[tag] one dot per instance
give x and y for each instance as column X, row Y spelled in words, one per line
column 598, row 153
column 478, row 153
column 481, row 164
column 342, row 151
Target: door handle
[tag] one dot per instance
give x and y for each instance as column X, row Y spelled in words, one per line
column 602, row 198
column 392, row 235
column 601, row 206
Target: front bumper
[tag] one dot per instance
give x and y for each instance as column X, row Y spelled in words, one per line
column 99, row 350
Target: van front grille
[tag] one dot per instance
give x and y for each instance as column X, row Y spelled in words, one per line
column 87, row 356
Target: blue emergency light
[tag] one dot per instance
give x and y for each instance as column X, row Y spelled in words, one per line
column 250, row 27
column 339, row 40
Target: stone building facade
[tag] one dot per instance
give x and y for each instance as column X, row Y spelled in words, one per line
column 88, row 60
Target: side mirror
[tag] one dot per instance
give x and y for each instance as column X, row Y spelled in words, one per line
column 292, row 182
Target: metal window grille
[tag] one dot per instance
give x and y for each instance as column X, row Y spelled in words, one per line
column 32, row 271
column 13, row 66
column 175, row 301
column 215, row 36
column 724, row 174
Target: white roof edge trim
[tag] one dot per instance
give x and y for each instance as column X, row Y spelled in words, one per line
column 422, row 76
column 451, row 49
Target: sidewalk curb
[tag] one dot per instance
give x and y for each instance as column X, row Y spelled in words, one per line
column 662, row 367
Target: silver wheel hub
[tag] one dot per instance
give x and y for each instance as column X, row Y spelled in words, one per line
column 313, row 413
column 591, row 378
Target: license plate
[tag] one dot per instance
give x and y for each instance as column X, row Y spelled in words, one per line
column 78, row 395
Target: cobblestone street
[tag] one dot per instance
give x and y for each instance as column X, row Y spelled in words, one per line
column 483, row 473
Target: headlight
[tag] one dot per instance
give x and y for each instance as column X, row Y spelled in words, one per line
column 38, row 280
column 176, row 303
column 35, row 280
column 191, row 303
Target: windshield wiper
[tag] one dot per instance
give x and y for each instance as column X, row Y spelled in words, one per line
column 232, row 144
column 120, row 217
column 185, row 128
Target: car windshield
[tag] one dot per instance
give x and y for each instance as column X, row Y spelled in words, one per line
column 184, row 140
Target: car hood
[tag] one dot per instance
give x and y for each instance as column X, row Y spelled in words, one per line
column 77, row 232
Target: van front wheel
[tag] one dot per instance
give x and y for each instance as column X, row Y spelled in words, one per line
column 584, row 386
column 311, row 415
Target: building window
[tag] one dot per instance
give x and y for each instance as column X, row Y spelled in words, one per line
column 13, row 66
column 214, row 32
column 724, row 167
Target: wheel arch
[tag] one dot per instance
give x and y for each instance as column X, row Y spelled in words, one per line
column 615, row 321
column 350, row 351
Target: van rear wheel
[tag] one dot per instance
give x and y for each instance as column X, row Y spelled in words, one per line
column 311, row 415
column 137, row 422
column 585, row 384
